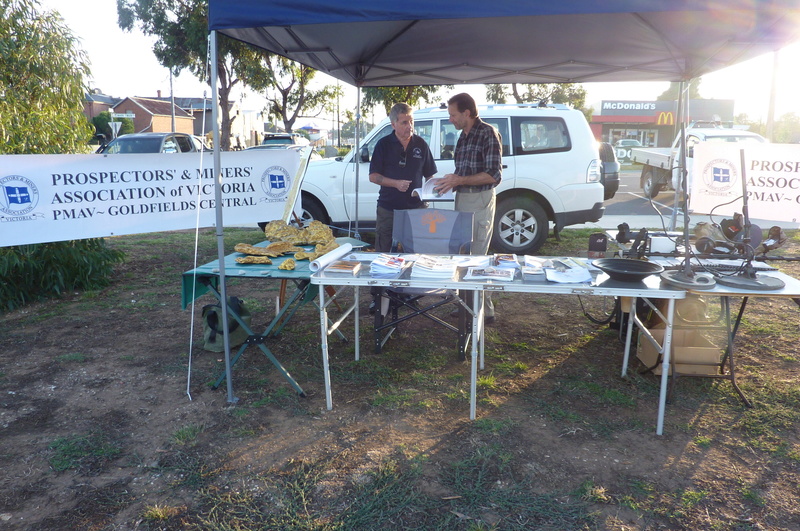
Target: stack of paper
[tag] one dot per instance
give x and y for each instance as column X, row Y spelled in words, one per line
column 505, row 274
column 433, row 267
column 506, row 261
column 535, row 261
column 387, row 266
column 533, row 274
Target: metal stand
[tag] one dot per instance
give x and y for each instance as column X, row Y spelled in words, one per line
column 748, row 278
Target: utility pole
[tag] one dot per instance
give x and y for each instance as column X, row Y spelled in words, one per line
column 770, row 134
column 172, row 100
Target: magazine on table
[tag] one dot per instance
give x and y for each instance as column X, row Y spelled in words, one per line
column 434, row 267
column 506, row 260
column 564, row 273
column 428, row 192
column 387, row 266
column 505, row 274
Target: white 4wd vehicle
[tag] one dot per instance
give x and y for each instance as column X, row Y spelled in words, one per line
column 551, row 173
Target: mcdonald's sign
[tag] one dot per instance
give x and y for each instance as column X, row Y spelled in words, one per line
column 665, row 118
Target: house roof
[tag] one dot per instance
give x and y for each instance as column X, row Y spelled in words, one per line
column 156, row 107
column 102, row 98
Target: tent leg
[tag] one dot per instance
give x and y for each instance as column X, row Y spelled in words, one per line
column 218, row 199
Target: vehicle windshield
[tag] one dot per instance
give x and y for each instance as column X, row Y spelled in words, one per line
column 134, row 145
column 279, row 141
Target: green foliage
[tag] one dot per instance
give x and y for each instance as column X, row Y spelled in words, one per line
column 388, row 96
column 42, row 82
column 31, row 272
column 286, row 85
column 101, row 121
column 672, row 93
column 567, row 93
column 42, row 86
column 181, row 30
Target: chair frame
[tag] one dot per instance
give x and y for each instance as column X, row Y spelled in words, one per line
column 389, row 302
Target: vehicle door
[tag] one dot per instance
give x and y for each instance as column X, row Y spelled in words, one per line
column 184, row 144
column 170, row 145
column 509, row 169
column 367, row 191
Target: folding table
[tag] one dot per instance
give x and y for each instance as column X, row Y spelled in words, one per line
column 205, row 279
column 727, row 366
column 472, row 291
column 601, row 285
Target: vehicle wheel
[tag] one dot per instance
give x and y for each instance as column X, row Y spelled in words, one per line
column 312, row 211
column 649, row 185
column 520, row 226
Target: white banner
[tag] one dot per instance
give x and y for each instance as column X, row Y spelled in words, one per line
column 47, row 198
column 771, row 173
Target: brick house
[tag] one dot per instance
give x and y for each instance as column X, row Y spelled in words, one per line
column 152, row 115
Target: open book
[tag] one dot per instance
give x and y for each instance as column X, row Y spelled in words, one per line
column 427, row 192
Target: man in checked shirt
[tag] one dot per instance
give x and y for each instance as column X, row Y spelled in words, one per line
column 478, row 169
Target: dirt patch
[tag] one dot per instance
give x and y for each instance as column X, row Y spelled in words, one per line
column 97, row 430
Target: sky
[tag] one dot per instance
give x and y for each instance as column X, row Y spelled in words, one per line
column 123, row 64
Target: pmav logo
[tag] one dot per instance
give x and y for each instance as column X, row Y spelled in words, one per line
column 720, row 175
column 276, row 182
column 18, row 195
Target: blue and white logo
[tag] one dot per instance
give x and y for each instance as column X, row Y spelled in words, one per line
column 720, row 175
column 18, row 195
column 275, row 182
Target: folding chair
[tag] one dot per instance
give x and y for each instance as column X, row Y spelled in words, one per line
column 423, row 231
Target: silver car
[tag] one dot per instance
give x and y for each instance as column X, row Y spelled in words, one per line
column 154, row 143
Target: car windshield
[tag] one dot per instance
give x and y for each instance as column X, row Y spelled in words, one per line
column 277, row 141
column 134, row 145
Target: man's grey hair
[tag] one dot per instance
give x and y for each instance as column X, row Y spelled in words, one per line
column 397, row 110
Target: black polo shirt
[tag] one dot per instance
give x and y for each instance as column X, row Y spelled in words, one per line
column 386, row 160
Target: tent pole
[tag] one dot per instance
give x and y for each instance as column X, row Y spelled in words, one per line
column 218, row 207
column 681, row 161
column 356, row 233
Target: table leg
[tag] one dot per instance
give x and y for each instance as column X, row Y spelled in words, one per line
column 731, row 336
column 477, row 320
column 323, row 316
column 632, row 316
column 258, row 340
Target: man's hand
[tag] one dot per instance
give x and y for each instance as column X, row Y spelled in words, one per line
column 448, row 182
column 402, row 185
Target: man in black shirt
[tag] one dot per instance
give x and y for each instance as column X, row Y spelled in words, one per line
column 398, row 165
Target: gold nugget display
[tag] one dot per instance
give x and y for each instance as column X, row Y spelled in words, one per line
column 246, row 248
column 315, row 233
column 282, row 248
column 287, row 264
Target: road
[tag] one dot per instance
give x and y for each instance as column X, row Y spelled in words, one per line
column 629, row 205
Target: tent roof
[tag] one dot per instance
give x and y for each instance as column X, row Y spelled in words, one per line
column 424, row 42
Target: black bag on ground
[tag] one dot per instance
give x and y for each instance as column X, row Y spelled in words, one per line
column 213, row 338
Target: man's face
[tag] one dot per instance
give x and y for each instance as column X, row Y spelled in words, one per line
column 458, row 118
column 404, row 126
